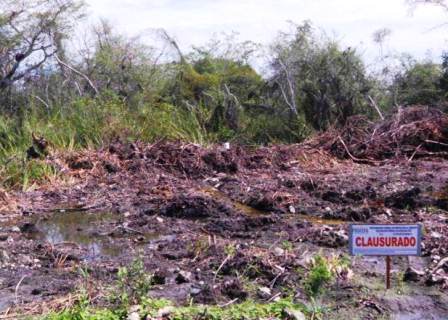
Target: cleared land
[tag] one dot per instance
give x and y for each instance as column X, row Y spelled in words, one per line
column 215, row 225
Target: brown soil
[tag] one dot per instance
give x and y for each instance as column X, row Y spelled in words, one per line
column 182, row 206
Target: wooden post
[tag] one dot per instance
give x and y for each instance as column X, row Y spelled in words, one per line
column 388, row 262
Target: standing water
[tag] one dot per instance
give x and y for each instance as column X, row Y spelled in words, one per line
column 81, row 229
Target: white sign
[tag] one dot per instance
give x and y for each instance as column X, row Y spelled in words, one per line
column 385, row 239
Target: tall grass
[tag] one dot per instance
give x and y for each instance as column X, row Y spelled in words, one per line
column 86, row 123
column 89, row 123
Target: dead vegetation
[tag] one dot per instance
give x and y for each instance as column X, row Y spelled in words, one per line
column 215, row 224
column 411, row 132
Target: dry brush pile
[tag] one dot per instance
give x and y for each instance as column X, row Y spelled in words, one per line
column 411, row 132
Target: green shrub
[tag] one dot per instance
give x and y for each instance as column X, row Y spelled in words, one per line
column 321, row 80
column 419, row 84
column 318, row 276
column 132, row 285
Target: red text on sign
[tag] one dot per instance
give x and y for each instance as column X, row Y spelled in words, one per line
column 386, row 241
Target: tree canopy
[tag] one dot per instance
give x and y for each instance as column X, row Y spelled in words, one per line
column 215, row 91
column 31, row 32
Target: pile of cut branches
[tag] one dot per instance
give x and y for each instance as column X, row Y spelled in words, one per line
column 411, row 132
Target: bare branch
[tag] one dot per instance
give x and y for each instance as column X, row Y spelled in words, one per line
column 374, row 105
column 77, row 72
column 34, row 66
column 174, row 44
column 439, row 3
column 292, row 101
column 28, row 34
column 42, row 101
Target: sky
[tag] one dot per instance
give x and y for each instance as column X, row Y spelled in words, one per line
column 421, row 32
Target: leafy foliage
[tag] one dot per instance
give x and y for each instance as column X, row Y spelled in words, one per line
column 318, row 276
column 119, row 87
column 317, row 78
column 420, row 83
column 247, row 310
column 132, row 285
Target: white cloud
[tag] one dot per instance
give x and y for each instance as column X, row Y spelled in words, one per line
column 353, row 21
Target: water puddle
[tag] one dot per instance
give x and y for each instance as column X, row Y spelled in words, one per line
column 80, row 229
column 218, row 195
column 6, row 301
column 319, row 220
column 409, row 316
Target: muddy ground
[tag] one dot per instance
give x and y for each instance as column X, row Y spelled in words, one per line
column 255, row 215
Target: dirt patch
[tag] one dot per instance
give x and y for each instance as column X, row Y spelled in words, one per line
column 193, row 207
column 216, row 224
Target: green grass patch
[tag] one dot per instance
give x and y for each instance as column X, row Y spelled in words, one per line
column 93, row 122
column 245, row 310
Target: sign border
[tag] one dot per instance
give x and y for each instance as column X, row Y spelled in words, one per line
column 419, row 238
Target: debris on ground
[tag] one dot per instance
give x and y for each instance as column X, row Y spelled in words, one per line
column 216, row 224
column 411, row 132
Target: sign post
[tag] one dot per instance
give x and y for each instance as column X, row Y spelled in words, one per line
column 388, row 258
column 385, row 240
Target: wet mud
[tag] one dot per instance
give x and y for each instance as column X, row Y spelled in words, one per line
column 182, row 208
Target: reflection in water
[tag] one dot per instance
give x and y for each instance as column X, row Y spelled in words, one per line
column 79, row 228
column 221, row 196
column 6, row 301
column 320, row 221
column 218, row 195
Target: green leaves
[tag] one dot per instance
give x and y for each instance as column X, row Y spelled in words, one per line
column 420, row 83
column 327, row 83
column 132, row 285
column 318, row 276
